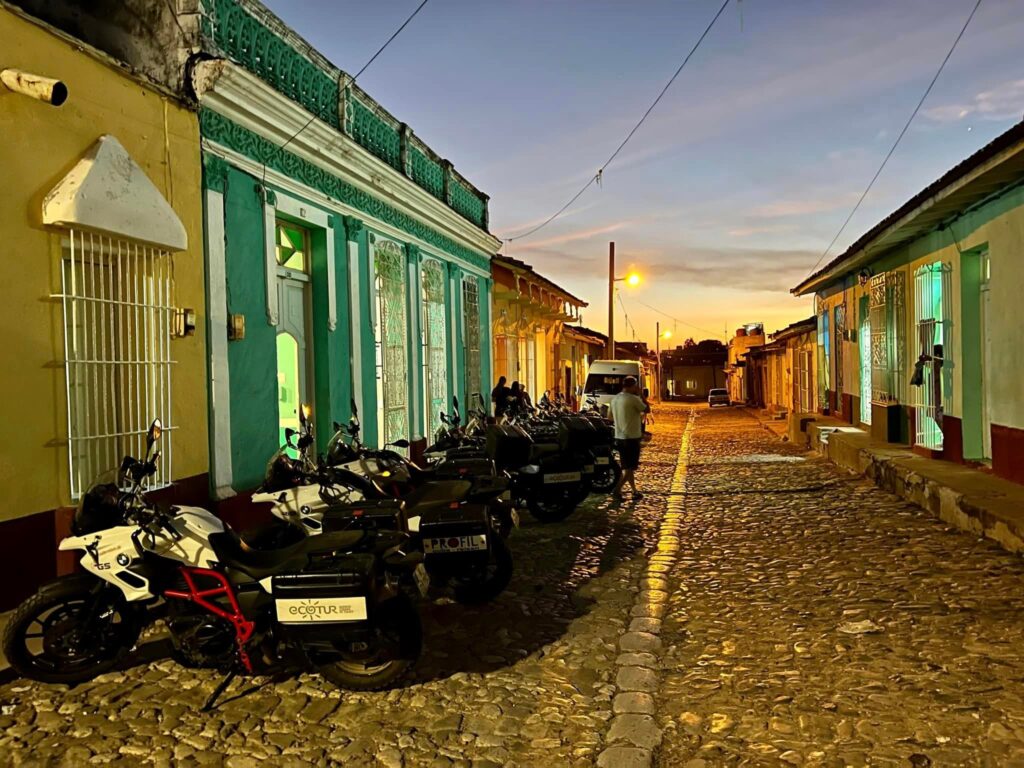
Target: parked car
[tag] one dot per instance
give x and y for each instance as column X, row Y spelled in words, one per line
column 718, row 397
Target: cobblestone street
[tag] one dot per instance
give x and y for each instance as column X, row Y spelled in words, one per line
column 806, row 618
column 815, row 620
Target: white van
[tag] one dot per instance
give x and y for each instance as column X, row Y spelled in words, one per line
column 604, row 380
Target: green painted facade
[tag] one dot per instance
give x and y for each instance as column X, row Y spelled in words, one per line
column 249, row 35
column 343, row 222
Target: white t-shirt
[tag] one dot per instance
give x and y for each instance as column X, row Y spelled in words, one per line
column 627, row 412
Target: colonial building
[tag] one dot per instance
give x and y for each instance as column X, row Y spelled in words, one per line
column 531, row 317
column 346, row 262
column 737, row 381
column 690, row 372
column 104, row 299
column 918, row 320
column 585, row 346
column 781, row 372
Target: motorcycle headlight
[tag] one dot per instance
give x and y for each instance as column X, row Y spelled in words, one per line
column 530, row 469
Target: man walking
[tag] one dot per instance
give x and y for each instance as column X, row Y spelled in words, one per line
column 627, row 411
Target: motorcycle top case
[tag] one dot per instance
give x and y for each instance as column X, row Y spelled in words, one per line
column 508, row 445
column 455, row 534
column 576, row 434
column 337, row 595
column 368, row 514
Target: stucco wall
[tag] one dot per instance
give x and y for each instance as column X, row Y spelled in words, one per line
column 41, row 144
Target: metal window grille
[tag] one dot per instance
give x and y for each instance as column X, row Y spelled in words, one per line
column 887, row 310
column 392, row 330
column 838, row 343
column 117, row 298
column 435, row 345
column 471, row 333
column 824, row 357
column 932, row 297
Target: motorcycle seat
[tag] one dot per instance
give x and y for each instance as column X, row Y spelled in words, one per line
column 259, row 564
column 435, row 493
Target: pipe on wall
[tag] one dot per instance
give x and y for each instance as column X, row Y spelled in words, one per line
column 36, row 86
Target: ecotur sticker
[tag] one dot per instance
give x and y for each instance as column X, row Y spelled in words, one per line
column 320, row 609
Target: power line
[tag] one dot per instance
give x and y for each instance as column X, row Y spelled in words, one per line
column 676, row 319
column 351, row 81
column 600, row 171
column 913, row 114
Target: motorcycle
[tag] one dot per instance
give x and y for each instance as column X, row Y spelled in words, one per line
column 460, row 525
column 333, row 604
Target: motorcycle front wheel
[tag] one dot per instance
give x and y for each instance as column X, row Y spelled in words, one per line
column 399, row 641
column 484, row 587
column 70, row 631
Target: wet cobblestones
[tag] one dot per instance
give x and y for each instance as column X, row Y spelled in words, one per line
column 526, row 681
column 838, row 626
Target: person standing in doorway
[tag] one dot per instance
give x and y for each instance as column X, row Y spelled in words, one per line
column 499, row 396
column 627, row 412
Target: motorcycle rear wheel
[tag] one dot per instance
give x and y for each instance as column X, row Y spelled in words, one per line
column 552, row 508
column 72, row 647
column 398, row 624
column 475, row 590
column 606, row 477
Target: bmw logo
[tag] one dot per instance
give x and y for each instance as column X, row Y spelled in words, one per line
column 123, row 559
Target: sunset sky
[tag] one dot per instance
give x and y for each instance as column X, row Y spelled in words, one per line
column 737, row 182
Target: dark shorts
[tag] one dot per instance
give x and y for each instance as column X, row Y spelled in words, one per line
column 629, row 452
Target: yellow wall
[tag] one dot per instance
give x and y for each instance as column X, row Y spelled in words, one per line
column 39, row 144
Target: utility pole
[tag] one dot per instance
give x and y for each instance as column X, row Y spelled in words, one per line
column 657, row 352
column 611, row 301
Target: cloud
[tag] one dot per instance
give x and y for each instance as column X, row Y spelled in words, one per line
column 745, row 269
column 804, row 206
column 763, row 229
column 1004, row 102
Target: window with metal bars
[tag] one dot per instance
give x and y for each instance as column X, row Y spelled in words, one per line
column 118, row 308
column 471, row 334
column 932, row 297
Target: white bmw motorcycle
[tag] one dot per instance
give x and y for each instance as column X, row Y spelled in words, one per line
column 329, row 603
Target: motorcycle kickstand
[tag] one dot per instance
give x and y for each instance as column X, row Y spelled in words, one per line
column 221, row 687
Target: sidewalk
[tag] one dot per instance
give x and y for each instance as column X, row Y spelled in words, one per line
column 970, row 499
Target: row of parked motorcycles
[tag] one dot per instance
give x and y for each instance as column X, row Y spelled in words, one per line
column 359, row 536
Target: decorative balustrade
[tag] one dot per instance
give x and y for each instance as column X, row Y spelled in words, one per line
column 252, row 37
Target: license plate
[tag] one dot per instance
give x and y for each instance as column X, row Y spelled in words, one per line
column 316, row 610
column 562, row 477
column 602, row 460
column 445, row 544
column 588, row 468
column 422, row 579
column 515, row 518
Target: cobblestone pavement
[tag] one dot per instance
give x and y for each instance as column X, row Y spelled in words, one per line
column 815, row 620
column 526, row 681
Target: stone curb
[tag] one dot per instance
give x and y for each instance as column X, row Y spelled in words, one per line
column 634, row 734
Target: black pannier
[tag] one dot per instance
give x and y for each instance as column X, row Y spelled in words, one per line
column 348, row 576
column 454, row 534
column 508, row 445
column 576, row 434
column 367, row 515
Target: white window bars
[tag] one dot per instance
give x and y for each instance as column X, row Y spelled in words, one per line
column 118, row 321
column 471, row 335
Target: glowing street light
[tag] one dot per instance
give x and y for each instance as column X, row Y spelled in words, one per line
column 633, row 279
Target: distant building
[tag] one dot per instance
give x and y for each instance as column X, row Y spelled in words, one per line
column 585, row 347
column 531, row 315
column 749, row 335
column 691, row 372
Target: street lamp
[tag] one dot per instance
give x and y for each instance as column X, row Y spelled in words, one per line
column 631, row 279
column 658, row 336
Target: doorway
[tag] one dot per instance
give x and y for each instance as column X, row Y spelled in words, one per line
column 864, row 343
column 985, row 335
column 391, row 329
column 294, row 382
column 435, row 345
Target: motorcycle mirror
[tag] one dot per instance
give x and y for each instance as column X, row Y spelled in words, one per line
column 337, row 427
column 355, row 409
column 289, row 433
column 455, row 402
column 305, row 412
column 401, row 443
column 155, row 430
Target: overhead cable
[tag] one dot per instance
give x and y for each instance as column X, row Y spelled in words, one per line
column 896, row 143
column 349, row 82
column 600, row 171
